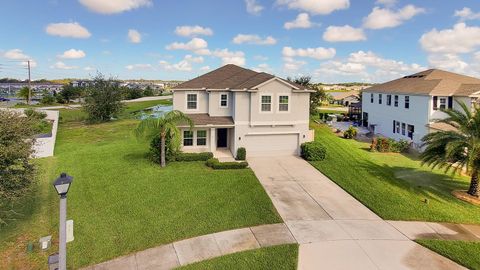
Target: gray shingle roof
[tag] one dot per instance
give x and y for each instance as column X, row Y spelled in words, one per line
column 430, row 82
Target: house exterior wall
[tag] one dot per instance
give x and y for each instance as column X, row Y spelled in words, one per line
column 419, row 114
column 261, row 133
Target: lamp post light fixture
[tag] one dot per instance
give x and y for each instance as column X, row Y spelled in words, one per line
column 62, row 185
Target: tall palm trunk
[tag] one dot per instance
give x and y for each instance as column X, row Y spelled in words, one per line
column 473, row 190
column 162, row 149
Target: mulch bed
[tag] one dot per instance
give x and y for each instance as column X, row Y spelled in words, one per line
column 464, row 196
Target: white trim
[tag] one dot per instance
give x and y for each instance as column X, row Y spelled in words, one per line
column 276, row 79
column 278, row 95
column 273, row 133
column 186, row 102
column 220, row 100
column 271, row 103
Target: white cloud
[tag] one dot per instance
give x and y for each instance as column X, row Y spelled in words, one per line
column 264, row 67
column 192, row 31
column 290, row 64
column 260, row 58
column 193, row 59
column 447, row 61
column 253, row 7
column 467, row 14
column 72, row 30
column 61, row 65
column 72, row 54
column 316, row 6
column 134, row 36
column 16, row 54
column 88, row 68
column 183, row 65
column 229, row 57
column 344, row 33
column 114, row 6
column 254, row 39
column 460, row 39
column 386, row 18
column 371, row 59
column 139, row 67
column 319, row 53
column 302, row 21
column 196, row 45
column 205, row 68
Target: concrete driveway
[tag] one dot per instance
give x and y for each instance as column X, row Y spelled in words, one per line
column 335, row 231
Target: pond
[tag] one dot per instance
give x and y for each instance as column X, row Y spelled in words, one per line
column 155, row 111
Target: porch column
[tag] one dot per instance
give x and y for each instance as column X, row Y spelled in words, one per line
column 213, row 140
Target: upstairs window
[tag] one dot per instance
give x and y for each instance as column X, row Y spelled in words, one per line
column 389, row 100
column 187, row 138
column 407, row 102
column 201, row 137
column 223, row 100
column 380, row 98
column 266, row 105
column 371, row 98
column 191, row 101
column 442, row 103
column 283, row 103
column 396, row 101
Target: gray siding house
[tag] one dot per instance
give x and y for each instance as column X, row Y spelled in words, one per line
column 235, row 107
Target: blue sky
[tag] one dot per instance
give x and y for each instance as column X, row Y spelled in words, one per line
column 331, row 40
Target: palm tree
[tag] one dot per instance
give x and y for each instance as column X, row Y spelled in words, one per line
column 163, row 126
column 459, row 147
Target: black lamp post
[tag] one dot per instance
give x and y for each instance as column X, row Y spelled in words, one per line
column 62, row 185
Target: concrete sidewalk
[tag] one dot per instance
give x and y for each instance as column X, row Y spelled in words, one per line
column 334, row 230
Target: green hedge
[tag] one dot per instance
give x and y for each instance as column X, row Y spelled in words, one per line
column 385, row 145
column 217, row 165
column 313, row 151
column 194, row 156
column 241, row 153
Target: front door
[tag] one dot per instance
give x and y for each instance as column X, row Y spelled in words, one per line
column 222, row 137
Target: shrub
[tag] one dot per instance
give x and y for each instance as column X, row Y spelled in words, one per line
column 103, row 100
column 241, row 153
column 384, row 145
column 350, row 133
column 194, row 156
column 217, row 165
column 313, row 151
column 32, row 114
column 47, row 99
column 340, row 117
column 155, row 144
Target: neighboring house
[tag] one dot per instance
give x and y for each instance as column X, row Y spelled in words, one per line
column 346, row 98
column 407, row 107
column 235, row 107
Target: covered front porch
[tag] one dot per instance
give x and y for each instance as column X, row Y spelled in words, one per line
column 210, row 134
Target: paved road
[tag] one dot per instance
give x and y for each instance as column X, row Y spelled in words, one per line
column 126, row 101
column 334, row 230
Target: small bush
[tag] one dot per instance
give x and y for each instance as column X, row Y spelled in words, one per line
column 32, row 114
column 217, row 165
column 241, row 153
column 194, row 156
column 340, row 117
column 155, row 153
column 313, row 151
column 350, row 133
column 385, row 145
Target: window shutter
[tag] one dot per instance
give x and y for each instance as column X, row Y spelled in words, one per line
column 450, row 102
column 394, row 126
column 435, row 103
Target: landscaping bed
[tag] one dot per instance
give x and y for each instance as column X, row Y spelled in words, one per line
column 393, row 185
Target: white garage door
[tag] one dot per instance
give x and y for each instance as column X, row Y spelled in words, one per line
column 271, row 145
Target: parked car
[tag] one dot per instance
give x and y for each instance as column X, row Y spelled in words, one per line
column 4, row 99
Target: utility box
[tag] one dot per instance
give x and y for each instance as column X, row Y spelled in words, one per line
column 45, row 242
column 53, row 261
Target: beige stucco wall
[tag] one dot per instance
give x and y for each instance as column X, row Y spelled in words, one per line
column 214, row 108
column 180, row 101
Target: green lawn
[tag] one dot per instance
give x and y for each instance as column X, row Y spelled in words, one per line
column 120, row 202
column 393, row 185
column 462, row 252
column 278, row 257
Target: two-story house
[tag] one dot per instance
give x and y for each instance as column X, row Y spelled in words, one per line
column 235, row 107
column 407, row 107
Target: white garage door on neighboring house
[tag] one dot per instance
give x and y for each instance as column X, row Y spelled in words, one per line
column 271, row 144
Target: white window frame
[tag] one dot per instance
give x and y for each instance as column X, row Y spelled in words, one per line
column 186, row 101
column 183, row 138
column 445, row 100
column 288, row 104
column 271, row 103
column 220, row 100
column 197, row 137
